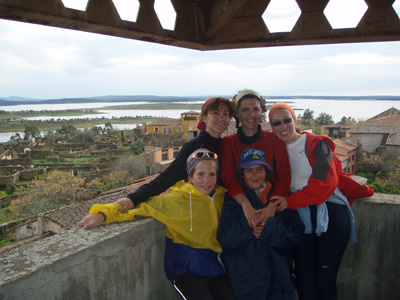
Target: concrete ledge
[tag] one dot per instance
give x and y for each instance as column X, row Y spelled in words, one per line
column 126, row 260
column 118, row 261
column 371, row 267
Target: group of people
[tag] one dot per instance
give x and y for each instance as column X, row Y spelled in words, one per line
column 253, row 215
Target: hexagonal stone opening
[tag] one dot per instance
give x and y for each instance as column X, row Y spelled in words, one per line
column 281, row 15
column 166, row 13
column 396, row 7
column 75, row 4
column 127, row 9
column 345, row 13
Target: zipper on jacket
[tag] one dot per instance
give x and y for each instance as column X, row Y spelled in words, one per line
column 216, row 219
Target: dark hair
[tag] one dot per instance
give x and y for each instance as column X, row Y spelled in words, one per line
column 239, row 172
column 214, row 104
column 263, row 105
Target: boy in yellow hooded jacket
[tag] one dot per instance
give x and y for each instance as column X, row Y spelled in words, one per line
column 191, row 212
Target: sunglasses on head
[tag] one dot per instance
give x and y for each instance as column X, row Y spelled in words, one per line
column 278, row 123
column 211, row 155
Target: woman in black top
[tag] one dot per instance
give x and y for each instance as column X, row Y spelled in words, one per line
column 215, row 116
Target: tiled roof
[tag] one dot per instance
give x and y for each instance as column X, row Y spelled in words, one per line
column 393, row 120
column 390, row 111
column 350, row 140
column 341, row 157
column 192, row 112
column 344, row 145
column 365, row 128
column 163, row 122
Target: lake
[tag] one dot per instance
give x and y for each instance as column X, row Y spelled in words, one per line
column 358, row 109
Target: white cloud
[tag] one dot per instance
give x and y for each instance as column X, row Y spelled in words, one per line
column 43, row 62
column 360, row 58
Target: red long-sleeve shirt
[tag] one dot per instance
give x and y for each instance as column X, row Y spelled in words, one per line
column 275, row 155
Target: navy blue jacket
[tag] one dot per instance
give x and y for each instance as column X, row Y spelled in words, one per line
column 258, row 268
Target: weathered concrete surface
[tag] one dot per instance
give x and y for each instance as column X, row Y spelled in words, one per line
column 125, row 261
column 371, row 267
column 118, row 261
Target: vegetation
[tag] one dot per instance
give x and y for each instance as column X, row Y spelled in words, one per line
column 137, row 147
column 53, row 124
column 137, row 167
column 16, row 120
column 41, row 195
column 59, row 188
column 347, row 121
column 307, row 119
column 324, row 119
column 387, row 184
column 12, row 115
column 31, row 131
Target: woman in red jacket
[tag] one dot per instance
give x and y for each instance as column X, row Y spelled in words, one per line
column 317, row 182
column 251, row 109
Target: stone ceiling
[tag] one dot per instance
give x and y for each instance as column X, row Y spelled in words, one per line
column 214, row 24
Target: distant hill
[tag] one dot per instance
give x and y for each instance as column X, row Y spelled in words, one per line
column 152, row 98
column 135, row 98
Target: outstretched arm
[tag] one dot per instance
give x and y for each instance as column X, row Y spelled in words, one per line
column 91, row 221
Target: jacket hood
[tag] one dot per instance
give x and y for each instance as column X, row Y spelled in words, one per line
column 188, row 187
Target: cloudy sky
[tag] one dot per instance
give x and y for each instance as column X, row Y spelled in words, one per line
column 46, row 63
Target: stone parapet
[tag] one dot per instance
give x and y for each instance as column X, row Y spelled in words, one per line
column 125, row 260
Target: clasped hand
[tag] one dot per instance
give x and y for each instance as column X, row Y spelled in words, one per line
column 258, row 218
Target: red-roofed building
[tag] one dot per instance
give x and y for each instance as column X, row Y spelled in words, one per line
column 347, row 153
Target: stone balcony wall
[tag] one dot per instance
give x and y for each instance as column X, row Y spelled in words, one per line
column 125, row 260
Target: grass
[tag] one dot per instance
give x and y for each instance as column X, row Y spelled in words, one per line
column 48, row 113
column 3, row 216
column 19, row 125
column 66, row 160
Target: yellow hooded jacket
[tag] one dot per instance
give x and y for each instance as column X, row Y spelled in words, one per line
column 192, row 220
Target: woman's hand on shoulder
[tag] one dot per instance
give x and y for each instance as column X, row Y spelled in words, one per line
column 126, row 204
column 279, row 202
column 253, row 218
column 90, row 221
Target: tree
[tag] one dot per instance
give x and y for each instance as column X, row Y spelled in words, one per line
column 31, row 131
column 16, row 137
column 108, row 128
column 115, row 180
column 324, row 119
column 347, row 121
column 95, row 130
column 41, row 195
column 308, row 114
column 83, row 136
column 68, row 131
column 135, row 166
column 138, row 146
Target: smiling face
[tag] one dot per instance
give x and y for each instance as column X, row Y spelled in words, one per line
column 204, row 177
column 286, row 130
column 217, row 121
column 250, row 114
column 254, row 177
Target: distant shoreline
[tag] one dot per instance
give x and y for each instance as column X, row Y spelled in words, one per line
column 166, row 99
